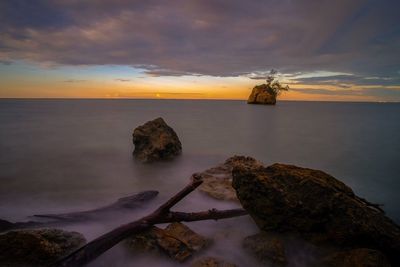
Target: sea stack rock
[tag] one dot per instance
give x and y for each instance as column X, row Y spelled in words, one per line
column 155, row 140
column 261, row 95
column 312, row 203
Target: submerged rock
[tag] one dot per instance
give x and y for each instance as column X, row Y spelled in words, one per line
column 217, row 181
column 177, row 241
column 286, row 198
column 361, row 257
column 261, row 95
column 155, row 140
column 38, row 247
column 266, row 248
column 211, row 262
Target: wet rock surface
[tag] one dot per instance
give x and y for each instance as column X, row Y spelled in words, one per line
column 261, row 95
column 177, row 241
column 323, row 210
column 155, row 140
column 38, row 247
column 361, row 257
column 217, row 181
column 211, row 262
column 266, row 248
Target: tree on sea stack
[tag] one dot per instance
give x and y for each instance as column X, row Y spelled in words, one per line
column 267, row 93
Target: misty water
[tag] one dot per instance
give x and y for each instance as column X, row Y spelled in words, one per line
column 69, row 155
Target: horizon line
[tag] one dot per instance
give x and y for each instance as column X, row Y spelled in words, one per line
column 183, row 99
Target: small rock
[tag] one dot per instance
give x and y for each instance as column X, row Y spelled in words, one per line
column 155, row 140
column 211, row 262
column 38, row 247
column 177, row 241
column 266, row 248
column 361, row 257
column 217, row 181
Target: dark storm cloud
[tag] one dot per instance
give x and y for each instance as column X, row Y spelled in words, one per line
column 218, row 38
column 18, row 14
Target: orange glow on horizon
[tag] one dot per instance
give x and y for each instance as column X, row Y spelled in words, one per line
column 224, row 88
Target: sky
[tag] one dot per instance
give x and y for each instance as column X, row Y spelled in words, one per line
column 342, row 50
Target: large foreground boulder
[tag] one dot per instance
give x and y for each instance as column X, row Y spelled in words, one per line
column 38, row 247
column 261, row 95
column 217, row 181
column 177, row 241
column 155, row 140
column 320, row 208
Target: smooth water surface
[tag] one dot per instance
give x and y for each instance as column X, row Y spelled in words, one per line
column 68, row 155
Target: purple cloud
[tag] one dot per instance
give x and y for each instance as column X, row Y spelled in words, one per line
column 218, row 38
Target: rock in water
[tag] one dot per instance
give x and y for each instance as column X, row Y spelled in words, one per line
column 287, row 198
column 261, row 95
column 217, row 181
column 155, row 140
column 266, row 248
column 177, row 241
column 39, row 247
column 211, row 262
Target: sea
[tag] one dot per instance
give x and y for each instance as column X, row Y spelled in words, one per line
column 58, row 156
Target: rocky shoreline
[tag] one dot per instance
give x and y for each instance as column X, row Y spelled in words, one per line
column 285, row 201
column 289, row 204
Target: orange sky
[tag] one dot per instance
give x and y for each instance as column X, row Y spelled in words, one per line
column 28, row 80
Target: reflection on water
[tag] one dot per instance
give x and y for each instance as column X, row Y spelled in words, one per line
column 67, row 155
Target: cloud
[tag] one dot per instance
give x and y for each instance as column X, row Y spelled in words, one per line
column 345, row 80
column 165, row 72
column 392, row 93
column 328, row 92
column 217, row 38
column 5, row 62
column 122, row 80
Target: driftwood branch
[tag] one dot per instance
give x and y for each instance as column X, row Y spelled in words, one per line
column 163, row 214
column 132, row 202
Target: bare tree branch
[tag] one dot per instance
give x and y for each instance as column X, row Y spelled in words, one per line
column 163, row 214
